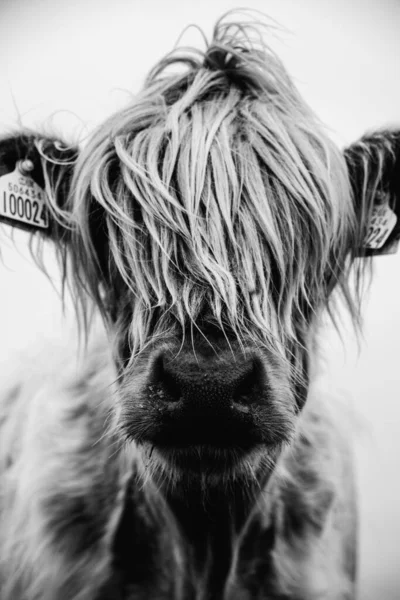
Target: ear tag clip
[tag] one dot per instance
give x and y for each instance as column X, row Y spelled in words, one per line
column 21, row 198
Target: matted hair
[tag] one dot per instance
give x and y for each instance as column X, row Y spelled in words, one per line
column 215, row 192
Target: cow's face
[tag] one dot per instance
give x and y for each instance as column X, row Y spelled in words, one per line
column 218, row 222
column 210, row 221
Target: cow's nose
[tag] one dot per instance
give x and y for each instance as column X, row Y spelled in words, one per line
column 207, row 384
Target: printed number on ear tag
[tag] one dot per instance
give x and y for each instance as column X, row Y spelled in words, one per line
column 21, row 199
column 381, row 225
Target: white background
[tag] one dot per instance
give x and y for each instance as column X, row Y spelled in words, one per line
column 71, row 63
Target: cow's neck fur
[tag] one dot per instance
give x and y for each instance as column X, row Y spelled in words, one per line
column 217, row 534
column 211, row 527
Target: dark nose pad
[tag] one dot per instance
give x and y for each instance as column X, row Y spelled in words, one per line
column 206, row 383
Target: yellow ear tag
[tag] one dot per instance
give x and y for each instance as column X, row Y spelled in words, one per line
column 21, row 198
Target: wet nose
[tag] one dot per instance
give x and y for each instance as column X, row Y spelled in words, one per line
column 207, row 383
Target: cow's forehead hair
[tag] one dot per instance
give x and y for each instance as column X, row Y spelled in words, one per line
column 216, row 187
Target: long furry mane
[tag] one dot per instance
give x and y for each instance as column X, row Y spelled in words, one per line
column 215, row 192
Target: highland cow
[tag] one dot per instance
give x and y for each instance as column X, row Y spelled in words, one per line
column 186, row 453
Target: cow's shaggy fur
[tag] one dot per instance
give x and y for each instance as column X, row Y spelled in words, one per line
column 208, row 223
column 66, row 483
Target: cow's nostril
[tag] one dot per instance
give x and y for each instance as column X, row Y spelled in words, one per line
column 246, row 385
column 172, row 390
column 172, row 387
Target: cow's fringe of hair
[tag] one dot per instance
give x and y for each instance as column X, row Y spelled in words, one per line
column 60, row 460
column 216, row 187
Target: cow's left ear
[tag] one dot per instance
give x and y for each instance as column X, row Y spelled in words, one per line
column 374, row 168
column 35, row 179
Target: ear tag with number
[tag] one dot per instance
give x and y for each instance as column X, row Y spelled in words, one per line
column 21, row 198
column 382, row 235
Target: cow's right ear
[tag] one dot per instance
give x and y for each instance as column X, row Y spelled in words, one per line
column 373, row 165
column 35, row 180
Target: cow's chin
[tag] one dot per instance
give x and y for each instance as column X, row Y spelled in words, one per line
column 204, row 467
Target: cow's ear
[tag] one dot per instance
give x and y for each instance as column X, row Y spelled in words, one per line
column 374, row 169
column 35, row 179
